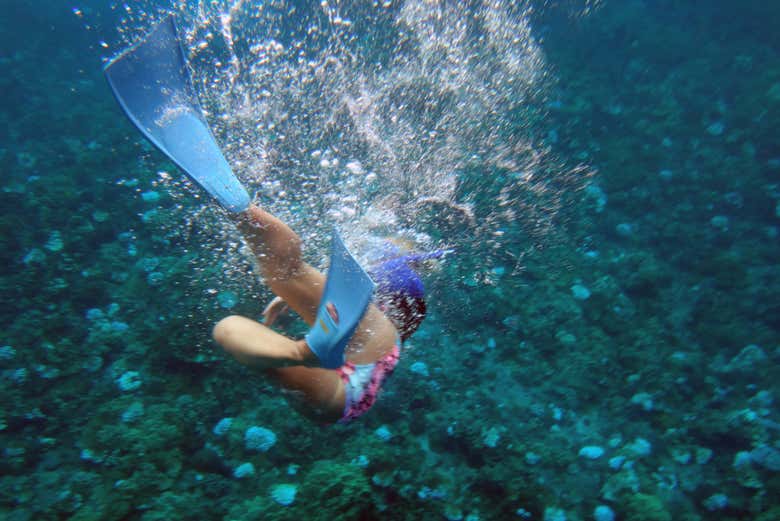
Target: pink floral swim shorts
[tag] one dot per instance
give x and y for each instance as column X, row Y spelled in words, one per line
column 362, row 383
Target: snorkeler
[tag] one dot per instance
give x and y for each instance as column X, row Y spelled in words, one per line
column 372, row 351
column 335, row 373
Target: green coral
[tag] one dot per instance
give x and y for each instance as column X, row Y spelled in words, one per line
column 171, row 505
column 774, row 93
column 106, row 502
column 142, row 458
column 646, row 507
column 339, row 490
column 770, row 515
column 257, row 509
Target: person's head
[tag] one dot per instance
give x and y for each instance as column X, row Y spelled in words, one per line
column 400, row 295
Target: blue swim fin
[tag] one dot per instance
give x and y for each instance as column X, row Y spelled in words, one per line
column 152, row 84
column 348, row 291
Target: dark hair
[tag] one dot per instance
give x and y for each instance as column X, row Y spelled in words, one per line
column 404, row 311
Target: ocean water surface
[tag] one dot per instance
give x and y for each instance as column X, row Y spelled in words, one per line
column 602, row 344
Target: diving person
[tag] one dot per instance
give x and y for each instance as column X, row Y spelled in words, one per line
column 336, row 371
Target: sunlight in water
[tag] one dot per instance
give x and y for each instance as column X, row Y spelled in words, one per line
column 421, row 119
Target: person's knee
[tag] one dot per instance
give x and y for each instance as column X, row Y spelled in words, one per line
column 226, row 331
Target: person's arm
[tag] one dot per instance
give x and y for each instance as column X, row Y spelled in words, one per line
column 276, row 308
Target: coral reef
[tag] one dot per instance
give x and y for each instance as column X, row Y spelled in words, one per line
column 603, row 344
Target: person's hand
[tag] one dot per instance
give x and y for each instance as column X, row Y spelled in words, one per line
column 274, row 310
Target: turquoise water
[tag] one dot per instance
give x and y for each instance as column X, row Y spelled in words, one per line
column 603, row 344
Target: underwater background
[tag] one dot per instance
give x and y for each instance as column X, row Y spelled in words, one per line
column 603, row 344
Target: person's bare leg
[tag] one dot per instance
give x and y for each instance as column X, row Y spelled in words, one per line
column 314, row 392
column 258, row 346
column 278, row 251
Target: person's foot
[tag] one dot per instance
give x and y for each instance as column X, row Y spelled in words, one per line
column 260, row 347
